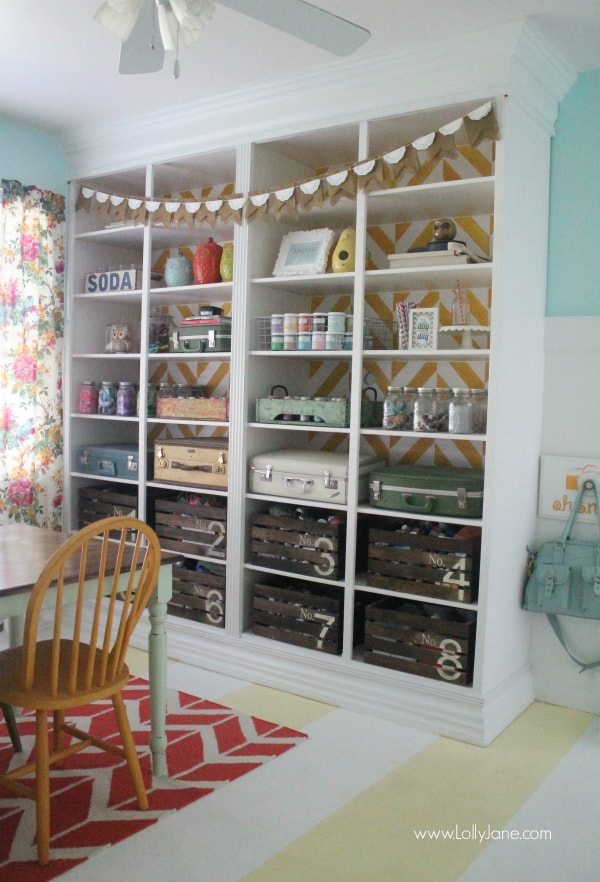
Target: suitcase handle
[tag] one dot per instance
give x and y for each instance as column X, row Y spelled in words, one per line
column 304, row 483
column 427, row 507
column 191, row 468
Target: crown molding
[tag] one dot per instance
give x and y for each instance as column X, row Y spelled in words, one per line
column 509, row 58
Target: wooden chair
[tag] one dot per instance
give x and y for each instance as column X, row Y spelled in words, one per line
column 11, row 724
column 68, row 671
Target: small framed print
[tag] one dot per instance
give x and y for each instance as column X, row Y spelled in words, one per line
column 304, row 253
column 423, row 328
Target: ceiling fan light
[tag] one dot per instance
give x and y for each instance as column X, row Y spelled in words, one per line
column 167, row 24
column 192, row 15
column 119, row 16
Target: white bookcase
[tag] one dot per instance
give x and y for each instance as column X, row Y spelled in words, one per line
column 499, row 195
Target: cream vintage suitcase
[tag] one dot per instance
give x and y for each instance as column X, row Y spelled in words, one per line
column 312, row 475
column 201, row 462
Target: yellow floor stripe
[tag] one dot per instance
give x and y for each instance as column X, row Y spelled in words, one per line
column 448, row 786
column 275, row 706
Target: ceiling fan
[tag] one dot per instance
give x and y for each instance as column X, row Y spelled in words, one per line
column 147, row 27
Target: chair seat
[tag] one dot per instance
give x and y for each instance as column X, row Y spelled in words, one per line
column 39, row 696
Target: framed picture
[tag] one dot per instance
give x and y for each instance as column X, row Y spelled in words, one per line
column 423, row 328
column 304, row 253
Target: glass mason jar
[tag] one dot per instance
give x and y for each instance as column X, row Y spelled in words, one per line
column 461, row 412
column 479, row 397
column 425, row 410
column 442, row 405
column 88, row 397
column 126, row 399
column 394, row 408
column 107, row 398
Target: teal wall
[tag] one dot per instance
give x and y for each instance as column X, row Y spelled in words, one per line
column 574, row 236
column 31, row 156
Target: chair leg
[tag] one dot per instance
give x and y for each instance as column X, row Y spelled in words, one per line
column 11, row 724
column 42, row 775
column 58, row 719
column 130, row 752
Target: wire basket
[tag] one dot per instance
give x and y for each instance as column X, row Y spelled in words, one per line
column 377, row 334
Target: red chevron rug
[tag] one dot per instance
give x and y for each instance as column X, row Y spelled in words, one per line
column 92, row 804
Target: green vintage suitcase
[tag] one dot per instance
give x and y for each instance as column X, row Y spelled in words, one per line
column 212, row 335
column 451, row 492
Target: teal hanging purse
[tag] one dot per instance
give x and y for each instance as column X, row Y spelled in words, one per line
column 564, row 576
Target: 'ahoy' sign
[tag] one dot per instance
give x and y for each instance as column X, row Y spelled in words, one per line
column 113, row 280
column 560, row 479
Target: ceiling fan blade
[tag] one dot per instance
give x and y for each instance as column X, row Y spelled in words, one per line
column 305, row 21
column 137, row 55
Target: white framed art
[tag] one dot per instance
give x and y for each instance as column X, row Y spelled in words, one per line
column 423, row 328
column 304, row 253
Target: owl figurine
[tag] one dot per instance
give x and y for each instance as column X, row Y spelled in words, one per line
column 118, row 338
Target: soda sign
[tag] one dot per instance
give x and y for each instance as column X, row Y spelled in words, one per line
column 113, row 280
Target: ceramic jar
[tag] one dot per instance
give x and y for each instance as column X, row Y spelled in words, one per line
column 178, row 271
column 207, row 261
column 343, row 257
column 226, row 265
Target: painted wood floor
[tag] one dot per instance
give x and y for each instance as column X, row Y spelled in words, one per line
column 365, row 800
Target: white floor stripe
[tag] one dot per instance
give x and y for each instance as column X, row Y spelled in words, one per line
column 226, row 835
column 566, row 804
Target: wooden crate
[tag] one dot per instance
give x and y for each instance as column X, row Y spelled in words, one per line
column 432, row 566
column 199, row 596
column 308, row 548
column 105, row 501
column 192, row 524
column 410, row 637
column 304, row 616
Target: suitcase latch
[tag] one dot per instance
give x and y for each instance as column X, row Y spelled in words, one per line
column 265, row 474
column 212, row 338
column 131, row 464
column 461, row 495
column 84, row 459
column 175, row 339
column 329, row 482
column 376, row 488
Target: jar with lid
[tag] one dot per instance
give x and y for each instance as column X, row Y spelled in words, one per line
column 126, row 399
column 107, row 398
column 425, row 412
column 151, row 397
column 88, row 397
column 461, row 412
column 395, row 413
column 442, row 405
column 479, row 397
column 165, row 390
column 160, row 327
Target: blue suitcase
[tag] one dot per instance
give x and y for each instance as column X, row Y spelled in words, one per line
column 110, row 460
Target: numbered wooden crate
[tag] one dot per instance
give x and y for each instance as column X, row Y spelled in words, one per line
column 199, row 594
column 432, row 641
column 192, row 524
column 105, row 501
column 304, row 616
column 433, row 566
column 306, row 548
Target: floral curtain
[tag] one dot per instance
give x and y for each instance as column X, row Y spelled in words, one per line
column 32, row 264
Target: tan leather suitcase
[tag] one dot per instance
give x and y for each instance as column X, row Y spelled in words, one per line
column 201, row 462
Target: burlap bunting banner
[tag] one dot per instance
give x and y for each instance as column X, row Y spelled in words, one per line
column 377, row 172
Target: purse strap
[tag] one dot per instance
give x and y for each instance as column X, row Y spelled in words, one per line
column 588, row 484
column 583, row 666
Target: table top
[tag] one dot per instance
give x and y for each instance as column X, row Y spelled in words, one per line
column 25, row 550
